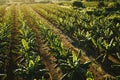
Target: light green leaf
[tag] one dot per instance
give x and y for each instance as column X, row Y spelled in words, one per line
column 105, row 44
column 60, row 19
column 31, row 63
column 38, row 58
column 88, row 35
column 25, row 44
column 21, row 32
column 74, row 56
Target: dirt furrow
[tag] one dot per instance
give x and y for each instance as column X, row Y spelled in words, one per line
column 14, row 41
column 99, row 73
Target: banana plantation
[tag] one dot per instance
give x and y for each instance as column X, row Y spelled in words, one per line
column 59, row 40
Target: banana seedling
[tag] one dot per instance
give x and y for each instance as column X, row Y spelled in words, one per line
column 29, row 65
column 72, row 67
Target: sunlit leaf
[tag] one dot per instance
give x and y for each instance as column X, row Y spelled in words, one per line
column 74, row 56
column 31, row 63
column 25, row 44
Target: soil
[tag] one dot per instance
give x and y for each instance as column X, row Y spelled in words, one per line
column 12, row 65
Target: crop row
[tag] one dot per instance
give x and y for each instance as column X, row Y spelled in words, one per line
column 19, row 57
column 4, row 42
column 19, row 54
column 100, row 33
column 68, row 61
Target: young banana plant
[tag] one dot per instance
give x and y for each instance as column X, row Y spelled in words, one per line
column 66, row 59
column 30, row 66
column 72, row 67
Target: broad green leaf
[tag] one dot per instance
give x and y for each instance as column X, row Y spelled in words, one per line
column 31, row 63
column 89, row 79
column 89, row 75
column 60, row 19
column 79, row 54
column 88, row 35
column 38, row 58
column 21, row 32
column 111, row 32
column 25, row 44
column 74, row 56
column 94, row 42
column 105, row 44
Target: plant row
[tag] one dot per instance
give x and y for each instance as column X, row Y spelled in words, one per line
column 5, row 36
column 68, row 61
column 98, row 32
column 27, row 64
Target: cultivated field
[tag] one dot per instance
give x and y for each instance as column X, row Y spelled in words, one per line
column 49, row 41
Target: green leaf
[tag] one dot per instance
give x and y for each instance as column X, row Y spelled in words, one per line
column 60, row 19
column 88, row 35
column 74, row 56
column 79, row 54
column 21, row 32
column 94, row 42
column 105, row 44
column 31, row 63
column 25, row 44
column 111, row 43
column 37, row 59
column 89, row 75
column 89, row 79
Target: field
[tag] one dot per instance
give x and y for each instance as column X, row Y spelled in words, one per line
column 49, row 41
